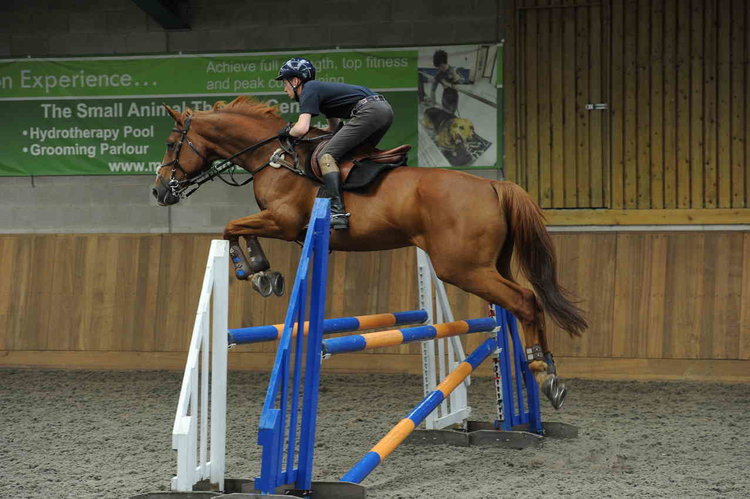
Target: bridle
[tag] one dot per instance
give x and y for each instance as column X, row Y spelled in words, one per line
column 178, row 187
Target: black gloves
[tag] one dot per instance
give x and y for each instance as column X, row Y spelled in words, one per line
column 284, row 132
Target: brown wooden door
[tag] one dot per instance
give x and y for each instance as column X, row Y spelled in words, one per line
column 562, row 106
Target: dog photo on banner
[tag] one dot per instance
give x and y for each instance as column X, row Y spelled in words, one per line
column 457, row 105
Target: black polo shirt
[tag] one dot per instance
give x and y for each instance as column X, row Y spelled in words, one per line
column 335, row 100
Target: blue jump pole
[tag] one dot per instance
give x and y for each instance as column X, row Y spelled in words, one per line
column 393, row 337
column 406, row 426
column 259, row 334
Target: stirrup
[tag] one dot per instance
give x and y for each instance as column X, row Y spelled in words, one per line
column 340, row 221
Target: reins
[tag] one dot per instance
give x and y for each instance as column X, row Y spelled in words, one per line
column 178, row 187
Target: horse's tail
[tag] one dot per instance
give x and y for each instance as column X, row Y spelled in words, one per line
column 536, row 256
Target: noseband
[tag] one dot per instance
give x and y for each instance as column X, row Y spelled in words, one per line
column 178, row 186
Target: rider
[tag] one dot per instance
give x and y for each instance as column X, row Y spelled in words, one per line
column 368, row 118
column 448, row 77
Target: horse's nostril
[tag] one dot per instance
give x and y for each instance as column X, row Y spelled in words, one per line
column 155, row 192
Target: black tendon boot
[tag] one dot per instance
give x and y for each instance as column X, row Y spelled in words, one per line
column 339, row 216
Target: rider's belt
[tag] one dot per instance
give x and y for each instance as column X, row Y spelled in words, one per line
column 370, row 98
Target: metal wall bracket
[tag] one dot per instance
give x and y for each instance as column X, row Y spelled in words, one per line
column 597, row 107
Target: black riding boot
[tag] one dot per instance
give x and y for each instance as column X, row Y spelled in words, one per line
column 339, row 216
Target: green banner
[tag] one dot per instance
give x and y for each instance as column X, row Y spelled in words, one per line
column 104, row 115
column 195, row 75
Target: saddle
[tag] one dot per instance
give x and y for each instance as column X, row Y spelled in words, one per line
column 362, row 166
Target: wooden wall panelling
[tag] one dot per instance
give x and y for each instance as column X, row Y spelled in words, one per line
column 684, row 290
column 630, row 304
column 582, row 97
column 657, row 292
column 656, row 104
column 68, row 311
column 557, row 127
column 569, row 106
column 630, row 129
column 530, row 84
column 587, row 269
column 399, row 272
column 697, row 116
column 744, row 327
column 647, row 295
column 642, row 129
column 670, row 97
column 182, row 266
column 720, row 338
column 145, row 307
column 337, row 277
column 639, row 295
column 544, row 104
column 740, row 125
column 510, row 72
column 12, row 267
column 22, row 337
column 123, row 265
column 683, row 105
column 7, row 264
column 710, row 137
column 724, row 95
column 41, row 301
column 676, row 75
column 617, row 105
column 746, row 128
column 598, row 157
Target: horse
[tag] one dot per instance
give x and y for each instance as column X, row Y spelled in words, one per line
column 468, row 225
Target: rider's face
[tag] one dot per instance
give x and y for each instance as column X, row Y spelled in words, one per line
column 289, row 86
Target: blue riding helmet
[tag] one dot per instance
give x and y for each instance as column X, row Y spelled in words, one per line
column 299, row 67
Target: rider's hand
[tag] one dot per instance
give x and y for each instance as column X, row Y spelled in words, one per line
column 285, row 132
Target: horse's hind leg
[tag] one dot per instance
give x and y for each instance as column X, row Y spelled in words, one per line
column 505, row 270
column 487, row 283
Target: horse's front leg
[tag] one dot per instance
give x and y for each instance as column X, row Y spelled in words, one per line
column 256, row 267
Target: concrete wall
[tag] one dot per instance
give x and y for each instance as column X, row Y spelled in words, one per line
column 39, row 28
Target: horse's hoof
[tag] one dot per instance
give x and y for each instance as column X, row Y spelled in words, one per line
column 555, row 391
column 277, row 283
column 262, row 284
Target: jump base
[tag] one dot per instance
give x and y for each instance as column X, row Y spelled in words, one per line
column 479, row 433
column 243, row 489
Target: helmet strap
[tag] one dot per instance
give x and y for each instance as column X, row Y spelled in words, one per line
column 294, row 89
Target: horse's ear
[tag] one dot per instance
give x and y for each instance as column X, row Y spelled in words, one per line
column 174, row 114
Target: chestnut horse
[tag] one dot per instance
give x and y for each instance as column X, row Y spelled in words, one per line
column 468, row 225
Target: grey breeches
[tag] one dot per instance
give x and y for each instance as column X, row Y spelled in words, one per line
column 368, row 125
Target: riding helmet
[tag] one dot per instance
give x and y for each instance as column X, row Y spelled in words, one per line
column 299, row 67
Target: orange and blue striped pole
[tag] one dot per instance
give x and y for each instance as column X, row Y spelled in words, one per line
column 406, row 426
column 257, row 334
column 394, row 337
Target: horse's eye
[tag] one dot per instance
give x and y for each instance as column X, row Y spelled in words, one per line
column 170, row 146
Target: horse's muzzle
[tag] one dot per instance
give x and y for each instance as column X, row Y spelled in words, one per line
column 163, row 193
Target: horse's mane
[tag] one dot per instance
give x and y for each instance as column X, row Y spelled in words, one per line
column 243, row 104
column 246, row 106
